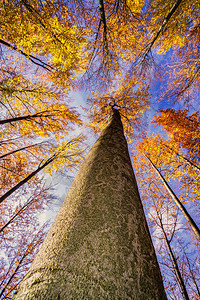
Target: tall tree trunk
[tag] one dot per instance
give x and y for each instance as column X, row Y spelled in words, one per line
column 99, row 246
column 184, row 211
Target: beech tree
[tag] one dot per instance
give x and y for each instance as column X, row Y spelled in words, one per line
column 99, row 245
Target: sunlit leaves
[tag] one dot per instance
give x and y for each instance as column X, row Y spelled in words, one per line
column 185, row 15
column 47, row 45
column 131, row 100
column 68, row 153
column 44, row 36
column 183, row 129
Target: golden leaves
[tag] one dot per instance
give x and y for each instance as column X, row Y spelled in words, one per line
column 44, row 37
column 69, row 153
column 178, row 156
column 131, row 100
column 183, row 129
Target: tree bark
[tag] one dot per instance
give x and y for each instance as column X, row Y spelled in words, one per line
column 184, row 211
column 99, row 246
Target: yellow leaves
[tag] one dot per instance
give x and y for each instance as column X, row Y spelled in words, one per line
column 131, row 98
column 135, row 5
column 168, row 156
column 68, row 154
column 179, row 173
column 44, row 111
column 123, row 39
column 178, row 36
column 43, row 34
column 164, row 46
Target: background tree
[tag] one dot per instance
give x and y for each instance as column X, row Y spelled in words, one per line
column 163, row 217
column 21, row 234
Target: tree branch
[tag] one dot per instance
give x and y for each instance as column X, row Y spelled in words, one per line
column 32, row 58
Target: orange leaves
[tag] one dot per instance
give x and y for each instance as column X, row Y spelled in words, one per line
column 127, row 36
column 169, row 156
column 184, row 130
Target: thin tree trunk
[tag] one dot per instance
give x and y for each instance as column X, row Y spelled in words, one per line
column 99, row 246
column 37, row 239
column 189, row 219
column 103, row 20
column 21, row 210
column 32, row 58
column 20, row 149
column 43, row 114
column 191, row 272
column 183, row 157
column 35, row 13
column 26, row 179
column 13, row 275
column 175, row 265
column 164, row 23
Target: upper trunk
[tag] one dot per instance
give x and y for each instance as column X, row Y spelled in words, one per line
column 99, row 245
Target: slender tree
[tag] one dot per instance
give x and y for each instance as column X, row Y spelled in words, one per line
column 189, row 162
column 99, row 246
column 62, row 151
column 162, row 215
column 173, row 258
column 189, row 219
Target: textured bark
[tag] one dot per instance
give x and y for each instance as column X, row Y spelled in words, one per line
column 99, row 246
